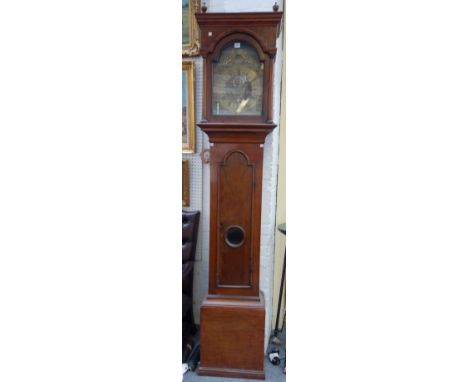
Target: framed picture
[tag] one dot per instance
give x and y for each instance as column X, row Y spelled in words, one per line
column 185, row 183
column 190, row 33
column 188, row 108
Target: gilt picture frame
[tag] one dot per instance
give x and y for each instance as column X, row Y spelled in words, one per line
column 190, row 31
column 185, row 183
column 188, row 108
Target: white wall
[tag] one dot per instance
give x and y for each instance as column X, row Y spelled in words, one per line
column 280, row 239
column 268, row 226
column 241, row 5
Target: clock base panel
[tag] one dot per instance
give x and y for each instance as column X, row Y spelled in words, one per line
column 232, row 337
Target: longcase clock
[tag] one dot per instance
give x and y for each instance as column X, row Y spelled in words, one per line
column 239, row 51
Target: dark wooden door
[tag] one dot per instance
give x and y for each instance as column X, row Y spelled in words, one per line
column 236, row 171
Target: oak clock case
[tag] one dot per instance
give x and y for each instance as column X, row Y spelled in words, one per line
column 238, row 51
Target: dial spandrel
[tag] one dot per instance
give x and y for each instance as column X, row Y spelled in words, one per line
column 237, row 81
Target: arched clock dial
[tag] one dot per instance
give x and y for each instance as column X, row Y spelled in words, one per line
column 237, row 81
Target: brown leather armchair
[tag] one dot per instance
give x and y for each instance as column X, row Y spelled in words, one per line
column 190, row 220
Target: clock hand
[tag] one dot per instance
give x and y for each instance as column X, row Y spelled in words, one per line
column 242, row 104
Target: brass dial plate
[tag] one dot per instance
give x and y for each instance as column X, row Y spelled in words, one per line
column 237, row 81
